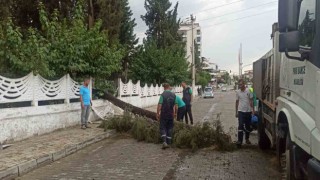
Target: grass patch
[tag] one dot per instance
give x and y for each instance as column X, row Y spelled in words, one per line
column 184, row 136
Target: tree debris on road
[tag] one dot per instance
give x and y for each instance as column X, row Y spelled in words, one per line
column 185, row 136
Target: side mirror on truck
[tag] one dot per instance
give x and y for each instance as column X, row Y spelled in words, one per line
column 289, row 41
column 288, row 18
column 288, row 15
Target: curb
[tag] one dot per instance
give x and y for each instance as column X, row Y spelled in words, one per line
column 27, row 166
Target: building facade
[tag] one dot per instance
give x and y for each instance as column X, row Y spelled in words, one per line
column 186, row 33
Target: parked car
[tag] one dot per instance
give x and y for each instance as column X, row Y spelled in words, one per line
column 208, row 92
column 224, row 89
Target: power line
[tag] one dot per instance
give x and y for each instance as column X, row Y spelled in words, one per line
column 140, row 28
column 233, row 19
column 238, row 19
column 237, row 11
column 216, row 7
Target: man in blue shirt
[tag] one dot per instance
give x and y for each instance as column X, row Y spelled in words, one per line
column 85, row 100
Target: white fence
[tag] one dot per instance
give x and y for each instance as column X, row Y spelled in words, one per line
column 23, row 122
column 36, row 88
column 143, row 96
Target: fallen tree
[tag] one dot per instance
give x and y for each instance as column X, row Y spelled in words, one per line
column 128, row 107
column 142, row 125
column 184, row 136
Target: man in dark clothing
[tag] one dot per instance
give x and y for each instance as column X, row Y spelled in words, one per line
column 187, row 98
column 181, row 109
column 166, row 113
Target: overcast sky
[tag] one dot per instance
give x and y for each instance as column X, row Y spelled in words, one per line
column 225, row 24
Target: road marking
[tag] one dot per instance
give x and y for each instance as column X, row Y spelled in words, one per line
column 207, row 116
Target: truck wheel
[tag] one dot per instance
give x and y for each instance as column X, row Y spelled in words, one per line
column 289, row 159
column 263, row 140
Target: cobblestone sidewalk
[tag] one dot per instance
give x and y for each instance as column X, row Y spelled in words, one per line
column 37, row 151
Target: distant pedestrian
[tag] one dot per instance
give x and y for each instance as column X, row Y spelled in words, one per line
column 244, row 112
column 86, row 102
column 181, row 109
column 187, row 98
column 166, row 113
column 199, row 93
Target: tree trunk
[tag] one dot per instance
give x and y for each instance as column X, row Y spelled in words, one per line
column 91, row 14
column 126, row 106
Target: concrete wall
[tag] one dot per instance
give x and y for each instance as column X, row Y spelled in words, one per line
column 144, row 96
column 21, row 123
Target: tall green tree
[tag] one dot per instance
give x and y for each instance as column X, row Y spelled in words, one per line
column 127, row 37
column 159, row 65
column 162, row 57
column 162, row 22
column 111, row 14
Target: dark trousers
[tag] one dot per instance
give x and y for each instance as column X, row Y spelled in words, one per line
column 166, row 128
column 188, row 112
column 181, row 112
column 244, row 125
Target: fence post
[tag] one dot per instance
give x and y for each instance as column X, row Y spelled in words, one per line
column 66, row 100
column 90, row 86
column 138, row 88
column 119, row 87
column 34, row 90
column 130, row 87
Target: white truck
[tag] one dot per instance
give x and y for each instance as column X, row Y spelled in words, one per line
column 287, row 84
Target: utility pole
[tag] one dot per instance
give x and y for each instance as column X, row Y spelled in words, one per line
column 193, row 19
column 240, row 61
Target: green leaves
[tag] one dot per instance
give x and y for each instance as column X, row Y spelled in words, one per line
column 203, row 78
column 158, row 65
column 60, row 47
column 162, row 57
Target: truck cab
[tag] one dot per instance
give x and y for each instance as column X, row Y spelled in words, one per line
column 289, row 89
column 298, row 109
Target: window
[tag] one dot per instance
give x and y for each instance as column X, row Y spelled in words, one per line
column 208, row 89
column 307, row 23
column 198, row 32
column 198, row 39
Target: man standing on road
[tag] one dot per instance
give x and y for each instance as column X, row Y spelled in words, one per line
column 181, row 109
column 166, row 113
column 187, row 98
column 86, row 102
column 244, row 111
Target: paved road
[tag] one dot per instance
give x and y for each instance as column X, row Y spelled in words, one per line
column 124, row 158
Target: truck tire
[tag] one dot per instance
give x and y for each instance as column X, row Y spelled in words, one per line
column 263, row 140
column 289, row 159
